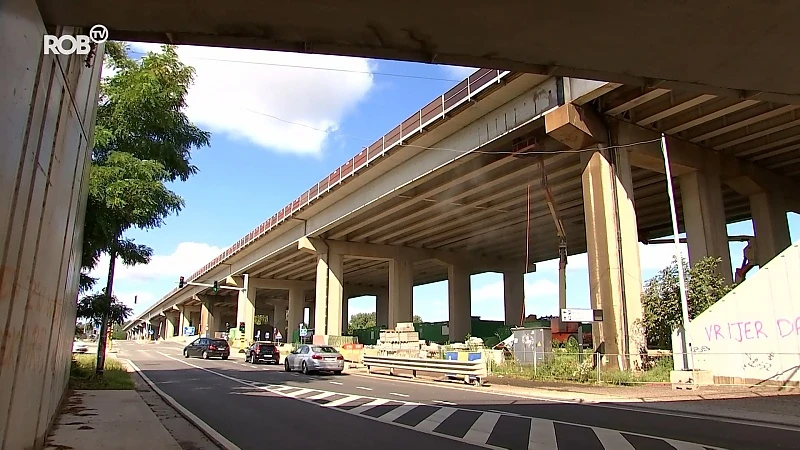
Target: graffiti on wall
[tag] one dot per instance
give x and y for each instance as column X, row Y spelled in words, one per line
column 753, row 330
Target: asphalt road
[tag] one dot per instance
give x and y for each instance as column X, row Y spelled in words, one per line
column 258, row 405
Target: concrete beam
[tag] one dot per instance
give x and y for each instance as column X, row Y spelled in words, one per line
column 269, row 283
column 575, row 126
column 744, row 177
column 385, row 252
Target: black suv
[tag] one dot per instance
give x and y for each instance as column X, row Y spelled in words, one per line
column 263, row 351
column 207, row 348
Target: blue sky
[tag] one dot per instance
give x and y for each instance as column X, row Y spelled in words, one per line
column 258, row 162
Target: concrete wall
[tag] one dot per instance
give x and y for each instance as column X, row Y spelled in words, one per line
column 47, row 109
column 753, row 333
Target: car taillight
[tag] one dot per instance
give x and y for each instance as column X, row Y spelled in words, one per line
column 211, row 347
column 258, row 348
column 315, row 356
column 340, row 357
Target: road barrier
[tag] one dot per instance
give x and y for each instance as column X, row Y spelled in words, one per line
column 473, row 372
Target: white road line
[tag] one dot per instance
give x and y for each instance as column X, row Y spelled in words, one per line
column 320, row 396
column 253, row 367
column 366, row 406
column 299, row 392
column 364, row 388
column 399, row 395
column 680, row 445
column 435, row 419
column 335, row 382
column 482, row 428
column 441, row 402
column 612, row 439
column 542, row 434
column 282, row 388
column 342, row 401
column 396, row 413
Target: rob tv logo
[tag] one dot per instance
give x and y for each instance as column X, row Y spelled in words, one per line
column 80, row 44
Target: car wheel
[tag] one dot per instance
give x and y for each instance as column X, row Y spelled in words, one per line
column 205, row 354
column 305, row 368
column 185, row 353
column 247, row 357
column 337, row 372
column 286, row 367
column 224, row 357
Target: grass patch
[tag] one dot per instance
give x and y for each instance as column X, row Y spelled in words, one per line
column 561, row 366
column 82, row 376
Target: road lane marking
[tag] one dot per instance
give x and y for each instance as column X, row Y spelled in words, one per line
column 213, row 434
column 542, row 431
column 396, row 413
column 366, row 406
column 342, row 401
column 482, row 428
column 542, row 434
column 434, row 420
column 321, row 395
column 364, row 388
column 299, row 392
column 397, row 394
column 336, row 383
column 612, row 439
column 441, row 402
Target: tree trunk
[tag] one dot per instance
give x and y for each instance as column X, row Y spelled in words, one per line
column 102, row 339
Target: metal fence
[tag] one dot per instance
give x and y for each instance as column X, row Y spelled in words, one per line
column 766, row 368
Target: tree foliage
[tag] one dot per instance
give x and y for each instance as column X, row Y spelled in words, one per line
column 361, row 321
column 143, row 140
column 93, row 307
column 662, row 302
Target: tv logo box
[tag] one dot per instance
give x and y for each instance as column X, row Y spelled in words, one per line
column 80, row 44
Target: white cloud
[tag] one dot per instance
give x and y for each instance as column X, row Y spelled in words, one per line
column 185, row 260
column 494, row 291
column 651, row 257
column 237, row 98
column 459, row 72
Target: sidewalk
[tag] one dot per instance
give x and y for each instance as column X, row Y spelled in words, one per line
column 109, row 419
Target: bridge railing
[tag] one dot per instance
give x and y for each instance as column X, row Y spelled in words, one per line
column 472, row 371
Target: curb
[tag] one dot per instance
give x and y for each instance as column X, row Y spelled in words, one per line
column 210, row 433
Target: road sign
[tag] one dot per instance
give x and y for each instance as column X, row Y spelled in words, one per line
column 278, row 336
column 581, row 315
column 303, row 332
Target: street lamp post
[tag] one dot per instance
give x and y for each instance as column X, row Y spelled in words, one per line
column 685, row 340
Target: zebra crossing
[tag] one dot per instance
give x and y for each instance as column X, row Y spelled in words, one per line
column 488, row 429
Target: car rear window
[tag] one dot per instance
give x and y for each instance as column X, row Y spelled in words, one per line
column 265, row 347
column 219, row 342
column 324, row 349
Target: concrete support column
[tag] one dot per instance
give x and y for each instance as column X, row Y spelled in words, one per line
column 330, row 287
column 183, row 321
column 208, row 325
column 345, row 313
column 382, row 307
column 459, row 302
column 704, row 218
column 297, row 306
column 401, row 292
column 279, row 319
column 770, row 225
column 246, row 312
column 615, row 279
column 514, row 297
column 171, row 322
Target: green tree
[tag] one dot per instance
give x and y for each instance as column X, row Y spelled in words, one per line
column 94, row 308
column 143, row 140
column 662, row 302
column 361, row 321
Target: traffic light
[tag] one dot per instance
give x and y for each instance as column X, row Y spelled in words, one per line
column 216, row 286
column 181, row 283
column 241, row 327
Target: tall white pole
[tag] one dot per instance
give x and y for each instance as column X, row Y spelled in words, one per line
column 685, row 341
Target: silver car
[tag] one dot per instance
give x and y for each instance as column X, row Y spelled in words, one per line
column 312, row 358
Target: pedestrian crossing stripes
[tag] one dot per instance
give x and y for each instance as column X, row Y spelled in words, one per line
column 489, row 429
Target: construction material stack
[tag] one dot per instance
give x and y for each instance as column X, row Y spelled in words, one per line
column 403, row 341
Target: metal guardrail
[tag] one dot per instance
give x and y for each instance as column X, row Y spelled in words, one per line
column 472, row 371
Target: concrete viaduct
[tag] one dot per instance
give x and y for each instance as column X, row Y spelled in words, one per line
column 717, row 76
column 444, row 195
